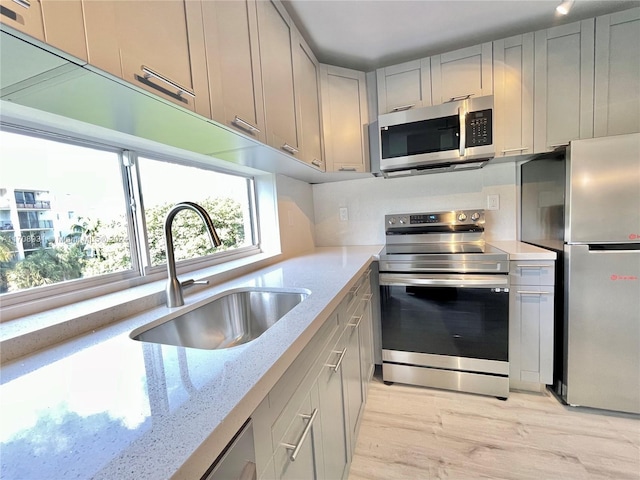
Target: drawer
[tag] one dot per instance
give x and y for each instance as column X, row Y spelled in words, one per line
column 530, row 272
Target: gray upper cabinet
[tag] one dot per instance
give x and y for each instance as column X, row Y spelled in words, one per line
column 404, row 86
column 345, row 119
column 276, row 33
column 462, row 73
column 563, row 109
column 64, row 26
column 24, row 16
column 513, row 95
column 307, row 87
column 617, row 74
column 233, row 65
column 146, row 44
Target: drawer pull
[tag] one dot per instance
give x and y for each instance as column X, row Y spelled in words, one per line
column 534, row 266
column 290, row 149
column 245, row 125
column 22, row 3
column 402, row 108
column 531, row 292
column 335, row 367
column 357, row 324
column 148, row 73
column 296, row 448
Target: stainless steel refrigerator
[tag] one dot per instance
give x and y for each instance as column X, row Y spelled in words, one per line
column 585, row 205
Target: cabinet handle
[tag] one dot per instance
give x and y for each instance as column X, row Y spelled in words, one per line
column 335, row 367
column 296, row 448
column 463, row 129
column 357, row 324
column 316, row 162
column 531, row 265
column 148, row 73
column 520, row 149
column 245, row 125
column 22, row 3
column 531, row 292
column 348, row 169
column 401, row 108
column 461, row 97
column 368, row 296
column 566, row 144
column 290, row 149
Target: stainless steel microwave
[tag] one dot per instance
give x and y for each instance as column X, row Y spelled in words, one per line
column 457, row 132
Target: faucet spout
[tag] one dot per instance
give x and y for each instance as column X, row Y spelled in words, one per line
column 174, row 287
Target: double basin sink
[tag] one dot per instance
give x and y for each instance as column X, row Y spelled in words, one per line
column 233, row 318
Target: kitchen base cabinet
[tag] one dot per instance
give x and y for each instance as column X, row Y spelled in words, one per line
column 313, row 412
column 531, row 324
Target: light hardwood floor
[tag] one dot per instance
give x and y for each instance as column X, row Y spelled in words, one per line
column 420, row 433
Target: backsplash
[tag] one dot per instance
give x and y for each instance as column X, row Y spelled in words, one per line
column 368, row 200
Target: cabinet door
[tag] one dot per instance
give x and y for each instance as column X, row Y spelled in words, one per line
column 531, row 334
column 333, row 414
column 462, row 73
column 404, row 86
column 513, row 95
column 307, row 86
column 25, row 16
column 344, row 114
column 276, row 57
column 64, row 26
column 563, row 109
column 366, row 345
column 145, row 43
column 353, row 378
column 233, row 65
column 617, row 74
column 302, row 438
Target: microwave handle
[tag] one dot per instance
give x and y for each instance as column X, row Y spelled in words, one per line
column 463, row 133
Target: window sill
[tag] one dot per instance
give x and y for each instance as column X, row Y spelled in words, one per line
column 28, row 334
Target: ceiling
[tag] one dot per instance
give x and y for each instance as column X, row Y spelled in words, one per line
column 368, row 34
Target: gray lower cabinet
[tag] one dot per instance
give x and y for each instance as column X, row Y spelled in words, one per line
column 306, row 428
column 531, row 317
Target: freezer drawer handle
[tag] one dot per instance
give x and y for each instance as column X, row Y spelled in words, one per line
column 296, row 448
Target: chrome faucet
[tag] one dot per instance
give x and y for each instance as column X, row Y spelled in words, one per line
column 174, row 286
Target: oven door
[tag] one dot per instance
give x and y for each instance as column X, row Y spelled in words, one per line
column 452, row 322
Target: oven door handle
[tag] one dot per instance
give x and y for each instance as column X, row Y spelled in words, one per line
column 445, row 280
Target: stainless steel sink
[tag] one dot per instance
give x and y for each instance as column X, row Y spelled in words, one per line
column 232, row 319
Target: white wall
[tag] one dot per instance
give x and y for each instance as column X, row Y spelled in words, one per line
column 295, row 215
column 368, row 200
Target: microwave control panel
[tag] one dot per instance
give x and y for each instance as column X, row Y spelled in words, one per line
column 479, row 128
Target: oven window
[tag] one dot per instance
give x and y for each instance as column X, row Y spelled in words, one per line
column 427, row 136
column 461, row 322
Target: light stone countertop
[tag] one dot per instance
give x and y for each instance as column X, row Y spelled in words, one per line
column 523, row 251
column 105, row 406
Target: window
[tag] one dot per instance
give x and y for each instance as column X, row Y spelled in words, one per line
column 40, row 243
column 66, row 215
column 227, row 198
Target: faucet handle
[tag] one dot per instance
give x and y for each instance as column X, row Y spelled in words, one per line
column 191, row 281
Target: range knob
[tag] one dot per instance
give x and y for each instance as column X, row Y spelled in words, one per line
column 392, row 221
column 475, row 216
column 403, row 220
column 462, row 217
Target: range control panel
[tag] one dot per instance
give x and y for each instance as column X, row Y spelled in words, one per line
column 479, row 128
column 454, row 217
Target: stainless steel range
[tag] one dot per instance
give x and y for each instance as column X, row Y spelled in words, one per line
column 445, row 303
